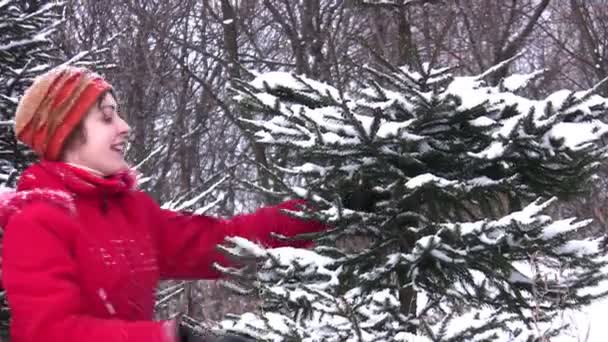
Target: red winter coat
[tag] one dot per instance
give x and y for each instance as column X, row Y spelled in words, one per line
column 82, row 255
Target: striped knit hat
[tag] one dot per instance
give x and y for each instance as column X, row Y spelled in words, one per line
column 54, row 105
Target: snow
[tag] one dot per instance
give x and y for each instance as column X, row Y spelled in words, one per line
column 558, row 98
column 482, row 121
column 518, row 277
column 283, row 79
column 392, row 98
column 22, row 42
column 279, row 129
column 187, row 204
column 104, row 298
column 307, row 260
column 424, row 179
column 526, row 215
column 468, row 89
column 242, row 244
column 481, row 181
column 580, row 247
column 267, row 99
column 78, row 57
column 250, row 320
column 311, row 168
column 587, row 324
column 563, row 226
column 390, row 129
column 518, row 81
column 494, row 151
column 267, row 138
column 576, row 134
column 211, row 205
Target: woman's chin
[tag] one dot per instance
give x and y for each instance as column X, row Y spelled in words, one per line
column 114, row 167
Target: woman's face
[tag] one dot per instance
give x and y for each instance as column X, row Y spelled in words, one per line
column 105, row 139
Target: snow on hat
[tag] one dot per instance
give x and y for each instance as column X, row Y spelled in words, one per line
column 54, row 105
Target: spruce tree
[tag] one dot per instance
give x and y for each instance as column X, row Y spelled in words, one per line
column 446, row 179
column 25, row 51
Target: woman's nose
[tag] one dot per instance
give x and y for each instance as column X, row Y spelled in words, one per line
column 124, row 126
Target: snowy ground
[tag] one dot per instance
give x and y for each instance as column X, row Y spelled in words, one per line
column 588, row 325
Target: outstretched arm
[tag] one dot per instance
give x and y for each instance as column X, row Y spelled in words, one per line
column 188, row 243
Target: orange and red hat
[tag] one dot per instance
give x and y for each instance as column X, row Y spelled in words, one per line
column 54, row 105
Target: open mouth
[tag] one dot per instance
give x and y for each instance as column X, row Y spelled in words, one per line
column 120, row 148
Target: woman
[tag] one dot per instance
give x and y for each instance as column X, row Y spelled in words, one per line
column 83, row 249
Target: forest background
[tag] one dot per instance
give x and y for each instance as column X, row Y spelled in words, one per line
column 171, row 63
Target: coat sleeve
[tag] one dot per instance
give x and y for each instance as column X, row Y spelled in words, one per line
column 39, row 275
column 188, row 243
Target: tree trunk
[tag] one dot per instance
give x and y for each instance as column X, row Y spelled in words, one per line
column 231, row 48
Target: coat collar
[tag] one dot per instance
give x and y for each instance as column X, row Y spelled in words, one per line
column 62, row 176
